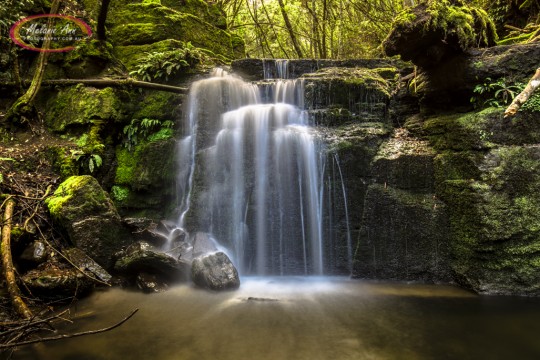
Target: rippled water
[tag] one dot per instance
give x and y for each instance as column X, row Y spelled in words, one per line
column 301, row 318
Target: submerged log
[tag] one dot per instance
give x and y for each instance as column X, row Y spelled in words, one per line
column 7, row 264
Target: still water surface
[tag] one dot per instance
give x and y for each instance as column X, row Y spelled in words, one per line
column 300, row 318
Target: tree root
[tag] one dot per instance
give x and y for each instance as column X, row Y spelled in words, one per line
column 7, row 264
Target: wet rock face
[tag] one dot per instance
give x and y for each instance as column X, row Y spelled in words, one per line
column 215, row 272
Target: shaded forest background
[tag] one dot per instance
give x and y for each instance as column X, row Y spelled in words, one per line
column 341, row 29
column 333, row 29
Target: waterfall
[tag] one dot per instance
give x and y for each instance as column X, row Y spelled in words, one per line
column 251, row 173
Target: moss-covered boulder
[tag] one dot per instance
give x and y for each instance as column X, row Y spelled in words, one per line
column 347, row 94
column 148, row 23
column 88, row 216
column 436, row 30
column 79, row 107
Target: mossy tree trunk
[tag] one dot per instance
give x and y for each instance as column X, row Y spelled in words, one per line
column 23, row 108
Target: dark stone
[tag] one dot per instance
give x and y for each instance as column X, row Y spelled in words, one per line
column 215, row 272
column 144, row 229
column 142, row 257
column 78, row 258
column 150, row 283
column 37, row 252
column 404, row 236
column 55, row 282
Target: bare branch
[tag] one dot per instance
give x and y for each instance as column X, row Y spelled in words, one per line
column 68, row 336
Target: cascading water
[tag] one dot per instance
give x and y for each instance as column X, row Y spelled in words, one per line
column 251, row 174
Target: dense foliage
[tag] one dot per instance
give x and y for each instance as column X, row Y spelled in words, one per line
column 350, row 28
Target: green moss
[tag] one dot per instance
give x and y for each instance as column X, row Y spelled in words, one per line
column 149, row 165
column 472, row 26
column 120, row 193
column 461, row 131
column 126, row 166
column 90, row 48
column 79, row 105
column 493, row 200
column 62, row 161
column 533, row 104
column 148, row 23
column 157, row 105
column 83, row 194
column 131, row 55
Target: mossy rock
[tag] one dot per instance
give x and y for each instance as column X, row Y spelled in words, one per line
column 140, row 24
column 145, row 176
column 405, row 162
column 131, row 55
column 159, row 105
column 90, row 58
column 62, row 161
column 493, row 201
column 81, row 106
column 88, row 216
column 481, row 130
column 391, row 246
column 437, row 30
column 362, row 92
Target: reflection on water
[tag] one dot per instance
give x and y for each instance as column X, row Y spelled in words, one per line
column 299, row 318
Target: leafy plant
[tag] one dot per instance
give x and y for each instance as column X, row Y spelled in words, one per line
column 139, row 130
column 162, row 65
column 87, row 161
column 495, row 93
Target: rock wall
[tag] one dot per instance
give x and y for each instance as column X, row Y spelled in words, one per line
column 432, row 196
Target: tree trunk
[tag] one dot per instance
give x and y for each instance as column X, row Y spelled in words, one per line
column 7, row 264
column 102, row 18
column 24, row 106
column 290, row 29
column 519, row 100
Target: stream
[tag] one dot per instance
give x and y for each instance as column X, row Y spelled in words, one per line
column 301, row 318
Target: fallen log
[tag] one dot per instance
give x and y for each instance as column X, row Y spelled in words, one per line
column 7, row 263
column 519, row 100
column 109, row 83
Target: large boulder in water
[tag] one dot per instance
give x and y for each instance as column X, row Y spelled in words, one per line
column 85, row 211
column 142, row 258
column 215, row 272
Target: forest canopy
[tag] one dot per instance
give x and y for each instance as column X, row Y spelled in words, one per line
column 340, row 29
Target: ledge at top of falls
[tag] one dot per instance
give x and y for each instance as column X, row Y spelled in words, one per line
column 254, row 69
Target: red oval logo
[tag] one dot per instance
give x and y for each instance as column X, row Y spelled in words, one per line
column 31, row 31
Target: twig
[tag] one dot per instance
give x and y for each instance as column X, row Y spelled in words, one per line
column 68, row 336
column 36, row 209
